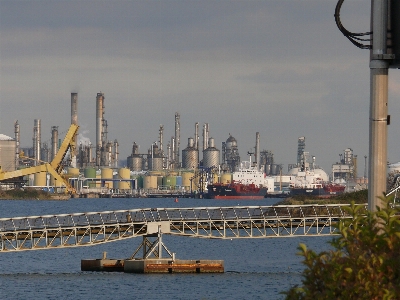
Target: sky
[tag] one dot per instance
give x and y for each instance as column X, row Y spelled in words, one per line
column 277, row 67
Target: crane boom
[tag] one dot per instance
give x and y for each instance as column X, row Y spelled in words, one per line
column 55, row 167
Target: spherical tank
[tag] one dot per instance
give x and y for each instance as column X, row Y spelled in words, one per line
column 40, row 179
column 186, row 176
column 321, row 174
column 226, row 178
column 89, row 173
column 155, row 163
column 124, row 173
column 150, row 182
column 169, row 181
column 231, row 143
column 107, row 173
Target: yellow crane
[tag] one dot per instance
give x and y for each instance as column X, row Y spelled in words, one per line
column 55, row 166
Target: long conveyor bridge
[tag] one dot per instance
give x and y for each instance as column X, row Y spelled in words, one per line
column 91, row 228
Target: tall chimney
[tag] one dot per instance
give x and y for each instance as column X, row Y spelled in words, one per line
column 36, row 141
column 257, row 151
column 17, row 141
column 99, row 125
column 177, row 138
column 196, row 136
column 54, row 141
column 74, row 120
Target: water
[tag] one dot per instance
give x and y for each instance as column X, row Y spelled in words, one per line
column 254, row 268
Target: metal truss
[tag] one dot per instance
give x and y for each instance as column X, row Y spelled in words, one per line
column 86, row 229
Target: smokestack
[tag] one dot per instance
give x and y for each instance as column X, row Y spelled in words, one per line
column 99, row 125
column 74, row 120
column 54, row 141
column 257, row 151
column 36, row 141
column 196, row 136
column 17, row 140
column 177, row 138
column 173, row 155
column 116, row 153
column 205, row 135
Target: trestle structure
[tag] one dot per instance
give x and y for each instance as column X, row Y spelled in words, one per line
column 86, row 229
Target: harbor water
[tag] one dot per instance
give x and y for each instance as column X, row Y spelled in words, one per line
column 254, row 268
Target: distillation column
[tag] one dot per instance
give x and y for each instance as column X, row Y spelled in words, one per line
column 177, row 139
column 54, row 141
column 258, row 151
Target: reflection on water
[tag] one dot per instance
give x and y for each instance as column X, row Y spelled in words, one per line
column 255, row 268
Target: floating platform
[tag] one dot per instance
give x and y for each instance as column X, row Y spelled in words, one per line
column 153, row 265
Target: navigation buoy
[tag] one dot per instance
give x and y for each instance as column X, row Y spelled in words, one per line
column 176, row 200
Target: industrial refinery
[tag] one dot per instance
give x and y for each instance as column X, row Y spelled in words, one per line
column 93, row 170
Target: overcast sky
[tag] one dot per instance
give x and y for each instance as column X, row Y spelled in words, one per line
column 281, row 68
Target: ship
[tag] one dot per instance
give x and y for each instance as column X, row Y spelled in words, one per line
column 308, row 183
column 235, row 190
column 248, row 183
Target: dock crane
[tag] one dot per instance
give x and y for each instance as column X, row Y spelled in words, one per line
column 55, row 167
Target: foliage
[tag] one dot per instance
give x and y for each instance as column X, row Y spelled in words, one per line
column 359, row 197
column 27, row 193
column 364, row 262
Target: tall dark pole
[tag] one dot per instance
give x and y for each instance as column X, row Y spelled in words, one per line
column 378, row 105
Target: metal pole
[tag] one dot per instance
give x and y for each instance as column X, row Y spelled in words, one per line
column 378, row 106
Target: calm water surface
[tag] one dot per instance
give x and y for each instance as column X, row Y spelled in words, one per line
column 254, row 268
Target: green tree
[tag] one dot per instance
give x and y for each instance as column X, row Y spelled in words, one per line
column 363, row 264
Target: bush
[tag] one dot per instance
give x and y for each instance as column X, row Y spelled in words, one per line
column 364, row 262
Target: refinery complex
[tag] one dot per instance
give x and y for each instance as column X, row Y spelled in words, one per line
column 87, row 170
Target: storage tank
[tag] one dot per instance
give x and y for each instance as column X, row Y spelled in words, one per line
column 40, row 179
column 7, row 154
column 190, row 156
column 135, row 163
column 169, row 181
column 89, row 173
column 107, row 173
column 210, row 155
column 178, row 181
column 268, row 169
column 124, row 173
column 72, row 172
column 186, row 176
column 226, row 178
column 150, row 182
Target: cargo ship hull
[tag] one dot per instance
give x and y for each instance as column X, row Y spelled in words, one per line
column 326, row 191
column 235, row 192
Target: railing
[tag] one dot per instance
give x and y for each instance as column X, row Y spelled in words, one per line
column 84, row 229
